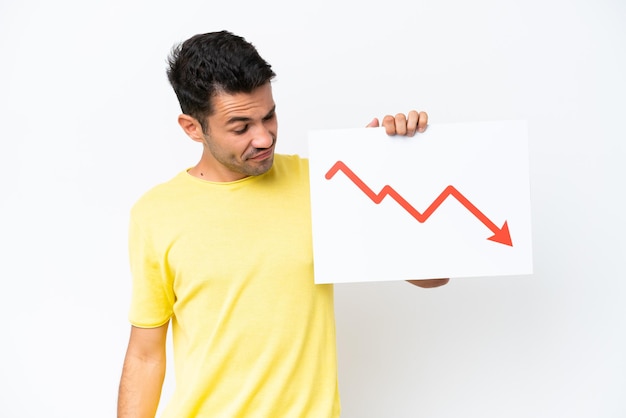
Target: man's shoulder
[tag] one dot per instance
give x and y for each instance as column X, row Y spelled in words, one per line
column 159, row 193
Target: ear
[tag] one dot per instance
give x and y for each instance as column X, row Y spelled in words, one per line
column 192, row 127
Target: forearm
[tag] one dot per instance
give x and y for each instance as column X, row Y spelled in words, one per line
column 140, row 387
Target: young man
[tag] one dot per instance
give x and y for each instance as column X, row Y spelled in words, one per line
column 223, row 251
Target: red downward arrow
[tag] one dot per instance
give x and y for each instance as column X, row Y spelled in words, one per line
column 500, row 235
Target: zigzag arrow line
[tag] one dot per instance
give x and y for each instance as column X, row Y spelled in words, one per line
column 500, row 235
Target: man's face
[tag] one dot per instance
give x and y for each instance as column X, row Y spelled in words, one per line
column 241, row 135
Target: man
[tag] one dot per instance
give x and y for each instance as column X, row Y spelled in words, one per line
column 223, row 251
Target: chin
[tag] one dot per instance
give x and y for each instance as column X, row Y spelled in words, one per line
column 261, row 168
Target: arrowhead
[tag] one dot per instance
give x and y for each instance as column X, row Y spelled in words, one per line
column 502, row 235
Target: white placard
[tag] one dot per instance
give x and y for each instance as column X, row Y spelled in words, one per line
column 453, row 201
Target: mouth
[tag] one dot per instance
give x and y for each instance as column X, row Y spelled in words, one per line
column 263, row 155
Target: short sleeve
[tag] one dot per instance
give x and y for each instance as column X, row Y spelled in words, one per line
column 152, row 290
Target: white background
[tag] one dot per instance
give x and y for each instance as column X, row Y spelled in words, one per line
column 88, row 123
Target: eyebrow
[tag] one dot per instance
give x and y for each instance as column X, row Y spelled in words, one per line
column 236, row 119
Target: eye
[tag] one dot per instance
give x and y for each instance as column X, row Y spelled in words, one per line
column 241, row 130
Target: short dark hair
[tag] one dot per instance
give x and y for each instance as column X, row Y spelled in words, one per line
column 211, row 63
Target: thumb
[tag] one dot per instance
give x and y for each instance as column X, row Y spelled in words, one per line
column 373, row 124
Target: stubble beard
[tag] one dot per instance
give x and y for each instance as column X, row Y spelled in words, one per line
column 256, row 168
column 246, row 165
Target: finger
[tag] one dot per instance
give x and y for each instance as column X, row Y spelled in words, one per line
column 373, row 124
column 412, row 122
column 400, row 120
column 389, row 122
column 422, row 122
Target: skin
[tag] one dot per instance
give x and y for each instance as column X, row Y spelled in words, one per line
column 143, row 373
column 239, row 142
column 241, row 136
column 402, row 124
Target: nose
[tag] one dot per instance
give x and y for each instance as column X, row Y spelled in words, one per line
column 263, row 138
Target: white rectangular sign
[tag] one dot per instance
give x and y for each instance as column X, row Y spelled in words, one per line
column 453, row 201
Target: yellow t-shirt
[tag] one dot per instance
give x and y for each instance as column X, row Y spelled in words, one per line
column 231, row 264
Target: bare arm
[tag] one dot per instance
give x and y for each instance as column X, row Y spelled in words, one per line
column 143, row 373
